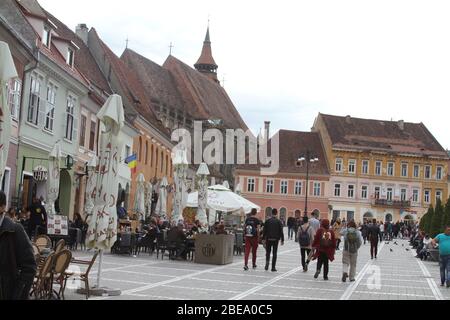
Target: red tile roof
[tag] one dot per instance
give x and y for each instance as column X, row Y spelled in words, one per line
column 206, row 57
column 383, row 136
column 84, row 61
column 292, row 144
column 205, row 99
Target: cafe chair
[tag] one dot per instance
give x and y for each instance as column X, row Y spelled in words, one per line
column 60, row 246
column 42, row 284
column 42, row 242
column 80, row 275
column 172, row 248
column 190, row 249
column 62, row 260
column 161, row 245
column 238, row 243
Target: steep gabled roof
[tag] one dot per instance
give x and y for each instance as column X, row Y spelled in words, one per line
column 206, row 57
column 383, row 136
column 131, row 87
column 84, row 61
column 292, row 144
column 205, row 99
column 159, row 84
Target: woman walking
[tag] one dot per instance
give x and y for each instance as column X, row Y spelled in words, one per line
column 352, row 242
column 325, row 247
column 337, row 227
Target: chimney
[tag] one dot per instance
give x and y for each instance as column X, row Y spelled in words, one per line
column 267, row 130
column 348, row 119
column 82, row 31
column 401, row 124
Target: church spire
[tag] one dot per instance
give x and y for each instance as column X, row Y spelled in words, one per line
column 206, row 63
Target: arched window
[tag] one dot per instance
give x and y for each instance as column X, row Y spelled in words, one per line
column 146, row 152
column 283, row 213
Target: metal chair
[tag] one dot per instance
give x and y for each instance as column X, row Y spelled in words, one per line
column 81, row 275
column 161, row 245
column 238, row 243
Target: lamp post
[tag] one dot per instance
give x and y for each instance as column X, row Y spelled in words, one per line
column 307, row 157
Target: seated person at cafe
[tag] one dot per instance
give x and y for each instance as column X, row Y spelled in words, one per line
column 12, row 214
column 197, row 227
column 176, row 236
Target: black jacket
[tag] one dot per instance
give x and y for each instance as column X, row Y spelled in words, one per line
column 17, row 262
column 374, row 232
column 273, row 230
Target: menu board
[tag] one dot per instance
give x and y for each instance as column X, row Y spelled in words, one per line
column 57, row 225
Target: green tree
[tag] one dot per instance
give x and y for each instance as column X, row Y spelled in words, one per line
column 436, row 222
column 423, row 221
column 446, row 217
column 428, row 218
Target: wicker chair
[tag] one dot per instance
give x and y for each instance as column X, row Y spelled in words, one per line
column 42, row 242
column 60, row 246
column 61, row 263
column 81, row 275
column 42, row 285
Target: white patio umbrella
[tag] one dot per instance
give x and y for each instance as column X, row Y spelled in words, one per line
column 180, row 164
column 54, row 168
column 139, row 202
column 90, row 188
column 203, row 173
column 148, row 199
column 102, row 230
column 161, row 204
column 7, row 72
column 226, row 184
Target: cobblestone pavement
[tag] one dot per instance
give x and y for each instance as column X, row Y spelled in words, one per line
column 395, row 275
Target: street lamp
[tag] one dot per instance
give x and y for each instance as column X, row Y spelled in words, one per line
column 307, row 157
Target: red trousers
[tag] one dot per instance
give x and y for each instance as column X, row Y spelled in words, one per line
column 251, row 243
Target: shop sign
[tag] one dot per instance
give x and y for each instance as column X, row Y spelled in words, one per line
column 40, row 173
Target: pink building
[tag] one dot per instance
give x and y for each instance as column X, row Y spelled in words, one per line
column 286, row 191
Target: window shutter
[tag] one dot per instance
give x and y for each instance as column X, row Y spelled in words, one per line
column 75, row 137
column 322, row 189
column 41, row 115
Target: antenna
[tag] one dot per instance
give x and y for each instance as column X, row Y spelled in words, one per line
column 126, row 42
column 170, row 48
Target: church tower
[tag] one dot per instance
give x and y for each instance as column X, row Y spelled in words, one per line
column 206, row 63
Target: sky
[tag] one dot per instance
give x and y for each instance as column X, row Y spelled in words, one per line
column 286, row 61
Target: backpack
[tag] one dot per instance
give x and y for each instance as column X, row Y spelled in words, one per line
column 304, row 238
column 250, row 229
column 326, row 242
column 352, row 241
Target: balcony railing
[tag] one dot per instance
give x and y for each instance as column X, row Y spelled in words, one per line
column 399, row 204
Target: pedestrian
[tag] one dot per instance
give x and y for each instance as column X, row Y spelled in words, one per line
column 272, row 234
column 364, row 231
column 291, row 226
column 381, row 225
column 251, row 229
column 443, row 239
column 337, row 227
column 374, row 236
column 325, row 247
column 297, row 225
column 305, row 239
column 17, row 262
column 352, row 242
column 38, row 218
column 314, row 222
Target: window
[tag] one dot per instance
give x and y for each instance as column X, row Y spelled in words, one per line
column 338, row 165
column 390, row 169
column 70, row 117
column 439, row 173
column 251, row 185
column 127, row 151
column 438, row 195
column 92, row 132
column 427, row 172
column 416, row 171
column 70, row 56
column 269, row 186
column 377, row 192
column 317, row 189
column 389, row 194
column 162, row 161
column 415, row 196
column 351, row 166
column 151, row 155
column 146, row 152
column 298, row 187
column 403, row 194
column 351, row 191
column 378, row 168
column 35, row 99
column 284, row 187
column 46, row 36
column 337, row 190
column 83, row 131
column 365, row 167
column 50, row 111
column 364, row 192
column 404, row 169
column 427, row 196
column 167, row 164
column 14, row 95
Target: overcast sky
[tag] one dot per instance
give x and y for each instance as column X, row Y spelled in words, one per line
column 285, row 61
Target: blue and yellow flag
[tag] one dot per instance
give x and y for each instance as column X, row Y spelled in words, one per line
column 132, row 162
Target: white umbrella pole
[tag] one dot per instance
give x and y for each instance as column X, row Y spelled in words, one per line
column 99, row 273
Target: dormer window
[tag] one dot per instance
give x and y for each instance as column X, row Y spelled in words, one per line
column 70, row 57
column 46, row 36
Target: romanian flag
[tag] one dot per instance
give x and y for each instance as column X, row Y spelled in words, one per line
column 132, row 162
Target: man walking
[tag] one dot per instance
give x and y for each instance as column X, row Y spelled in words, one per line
column 374, row 236
column 443, row 240
column 352, row 242
column 272, row 234
column 305, row 239
column 38, row 218
column 314, row 223
column 251, row 229
column 291, row 226
column 17, row 262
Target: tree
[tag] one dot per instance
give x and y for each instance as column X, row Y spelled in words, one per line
column 446, row 217
column 428, row 218
column 436, row 222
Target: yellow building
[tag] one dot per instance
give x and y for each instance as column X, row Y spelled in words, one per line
column 382, row 169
